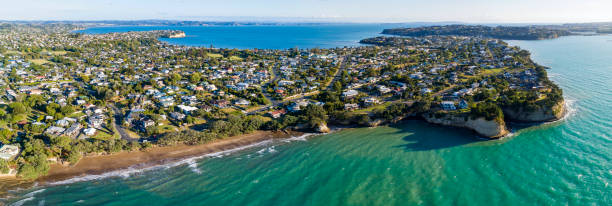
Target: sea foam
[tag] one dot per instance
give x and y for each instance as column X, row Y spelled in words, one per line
column 138, row 169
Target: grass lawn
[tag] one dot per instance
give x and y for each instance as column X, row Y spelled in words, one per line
column 76, row 115
column 166, row 128
column 56, row 52
column 39, row 61
column 492, row 71
column 372, row 108
column 132, row 134
column 9, row 52
column 228, row 110
column 213, row 55
column 101, row 135
column 266, row 119
column 235, row 58
column 200, row 121
column 20, row 117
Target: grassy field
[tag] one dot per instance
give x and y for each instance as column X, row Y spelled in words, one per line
column 486, row 72
column 232, row 58
column 132, row 134
column 372, row 108
column 213, row 55
column 61, row 53
column 9, row 52
column 235, row 58
column 101, row 135
column 39, row 61
column 166, row 128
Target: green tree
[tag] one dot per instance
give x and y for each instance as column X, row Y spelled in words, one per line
column 195, row 78
column 17, row 108
column 4, row 168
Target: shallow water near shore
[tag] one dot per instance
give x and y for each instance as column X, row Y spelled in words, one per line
column 568, row 162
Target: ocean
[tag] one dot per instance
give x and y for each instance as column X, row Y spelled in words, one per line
column 568, row 162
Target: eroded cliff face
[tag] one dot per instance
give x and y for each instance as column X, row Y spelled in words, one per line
column 490, row 129
column 322, row 128
column 540, row 115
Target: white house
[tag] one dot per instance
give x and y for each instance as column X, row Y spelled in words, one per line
column 7, row 152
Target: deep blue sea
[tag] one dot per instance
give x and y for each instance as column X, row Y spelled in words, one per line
column 264, row 37
column 568, row 162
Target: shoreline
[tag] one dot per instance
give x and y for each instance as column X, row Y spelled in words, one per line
column 100, row 166
column 156, row 156
column 94, row 166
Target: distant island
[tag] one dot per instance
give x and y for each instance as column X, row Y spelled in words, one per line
column 531, row 32
column 498, row 32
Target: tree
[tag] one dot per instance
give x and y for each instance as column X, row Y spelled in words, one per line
column 34, row 167
column 337, row 87
column 17, row 108
column 195, row 78
column 175, row 78
column 4, row 168
column 73, row 157
column 5, row 135
column 314, row 115
column 66, row 110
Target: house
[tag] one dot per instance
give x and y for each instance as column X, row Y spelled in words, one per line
column 222, row 103
column 382, row 89
column 54, row 131
column 62, row 123
column 285, row 83
column 243, row 102
column 177, row 116
column 242, row 86
column 11, row 95
column 80, row 102
column 73, row 130
column 350, row 93
column 351, row 107
column 448, row 105
column 89, row 131
column 187, row 109
column 166, row 103
column 148, row 123
column 369, row 101
column 211, row 87
column 298, row 105
column 96, row 121
column 277, row 113
column 8, row 152
column 69, row 119
column 418, row 75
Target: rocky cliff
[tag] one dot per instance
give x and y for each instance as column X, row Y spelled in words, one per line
column 487, row 128
column 543, row 114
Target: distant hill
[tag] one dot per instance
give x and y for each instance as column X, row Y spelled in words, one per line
column 499, row 32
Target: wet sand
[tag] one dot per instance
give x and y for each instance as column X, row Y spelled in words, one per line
column 95, row 165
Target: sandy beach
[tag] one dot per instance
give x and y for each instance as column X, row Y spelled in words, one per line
column 95, row 165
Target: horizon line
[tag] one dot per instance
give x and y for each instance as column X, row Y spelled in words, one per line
column 295, row 20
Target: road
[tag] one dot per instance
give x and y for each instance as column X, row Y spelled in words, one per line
column 119, row 128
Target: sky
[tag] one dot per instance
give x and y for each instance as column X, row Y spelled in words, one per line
column 472, row 11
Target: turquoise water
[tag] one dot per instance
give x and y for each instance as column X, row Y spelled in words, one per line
column 562, row 163
column 264, row 37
